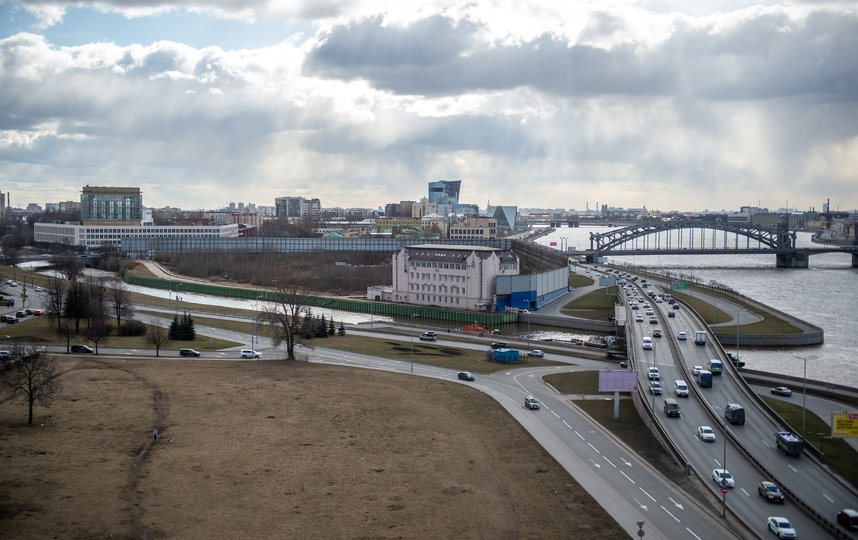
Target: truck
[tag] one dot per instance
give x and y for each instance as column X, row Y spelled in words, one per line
column 789, row 443
column 503, row 356
column 700, row 337
column 704, row 378
column 734, row 413
column 715, row 366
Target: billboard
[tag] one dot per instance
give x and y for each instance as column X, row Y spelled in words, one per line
column 620, row 380
column 607, row 281
column 844, row 424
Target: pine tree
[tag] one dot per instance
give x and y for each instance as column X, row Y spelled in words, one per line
column 175, row 331
column 331, row 329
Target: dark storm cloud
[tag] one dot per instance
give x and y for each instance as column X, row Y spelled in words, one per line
column 764, row 57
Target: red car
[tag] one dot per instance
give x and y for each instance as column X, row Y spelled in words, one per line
column 38, row 313
column 656, row 333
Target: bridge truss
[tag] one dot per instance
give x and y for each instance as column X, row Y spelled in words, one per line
column 692, row 235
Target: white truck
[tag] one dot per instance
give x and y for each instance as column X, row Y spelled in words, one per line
column 700, row 337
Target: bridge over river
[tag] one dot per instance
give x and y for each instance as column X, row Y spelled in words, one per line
column 695, row 237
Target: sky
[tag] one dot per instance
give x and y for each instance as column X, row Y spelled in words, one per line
column 663, row 104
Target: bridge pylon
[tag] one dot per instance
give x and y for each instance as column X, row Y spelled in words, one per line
column 798, row 259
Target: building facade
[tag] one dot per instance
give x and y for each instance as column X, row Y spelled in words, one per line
column 445, row 191
column 458, row 277
column 474, row 227
column 93, row 236
column 297, row 207
column 116, row 205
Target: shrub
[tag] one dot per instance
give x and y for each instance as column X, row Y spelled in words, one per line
column 132, row 328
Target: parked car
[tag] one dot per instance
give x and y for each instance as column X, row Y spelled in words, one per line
column 188, row 352
column 536, row 353
column 706, row 434
column 466, row 376
column 655, row 388
column 781, row 527
column 81, row 349
column 38, row 313
column 723, row 478
column 770, row 492
column 250, row 353
column 10, row 319
column 531, row 402
column 848, row 518
column 782, row 391
column 21, row 314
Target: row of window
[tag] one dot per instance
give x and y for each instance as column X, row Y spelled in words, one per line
column 438, row 277
column 451, row 266
column 435, row 288
column 438, row 299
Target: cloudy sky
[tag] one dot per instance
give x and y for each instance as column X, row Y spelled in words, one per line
column 668, row 104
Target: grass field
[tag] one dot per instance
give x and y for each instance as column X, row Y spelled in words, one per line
column 577, row 280
column 278, row 450
column 770, row 325
column 597, row 305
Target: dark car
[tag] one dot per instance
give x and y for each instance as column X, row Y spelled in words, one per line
column 20, row 314
column 188, row 352
column 9, row 319
column 671, row 314
column 466, row 376
column 531, row 403
column 81, row 349
column 770, row 492
column 848, row 518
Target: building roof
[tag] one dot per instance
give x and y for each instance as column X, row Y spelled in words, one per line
column 455, row 254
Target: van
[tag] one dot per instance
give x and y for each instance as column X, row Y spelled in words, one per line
column 429, row 336
column 734, row 413
column 704, row 378
column 789, row 443
column 715, row 366
column 680, row 388
column 671, row 407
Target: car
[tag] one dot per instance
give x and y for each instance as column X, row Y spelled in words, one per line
column 655, row 388
column 671, row 301
column 428, row 336
column 5, row 355
column 696, row 370
column 38, row 313
column 624, row 364
column 188, row 352
column 531, row 403
column 656, row 333
column 9, row 319
column 250, row 353
column 635, row 306
column 782, row 391
column 706, row 434
column 638, row 318
column 653, row 320
column 536, row 353
column 28, row 311
column 770, row 492
column 653, row 374
column 650, row 312
column 848, row 518
column 675, row 306
column 81, row 349
column 20, row 314
column 11, row 284
column 781, row 527
column 671, row 314
column 647, row 343
column 723, row 478
column 466, row 376
column 500, row 345
column 682, row 336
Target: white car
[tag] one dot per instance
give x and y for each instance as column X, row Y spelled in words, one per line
column 696, row 370
column 723, row 478
column 250, row 353
column 653, row 374
column 781, row 527
column 647, row 343
column 682, row 336
column 639, row 318
column 536, row 353
column 706, row 434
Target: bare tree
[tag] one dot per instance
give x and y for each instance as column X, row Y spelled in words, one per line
column 68, row 265
column 56, row 299
column 12, row 259
column 120, row 301
column 31, row 376
column 76, row 303
column 156, row 336
column 286, row 316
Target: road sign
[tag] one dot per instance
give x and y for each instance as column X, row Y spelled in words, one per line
column 844, row 424
column 678, row 284
column 723, row 490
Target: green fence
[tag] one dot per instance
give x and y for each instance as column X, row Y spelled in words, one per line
column 345, row 304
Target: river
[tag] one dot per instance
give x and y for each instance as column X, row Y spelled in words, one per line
column 824, row 294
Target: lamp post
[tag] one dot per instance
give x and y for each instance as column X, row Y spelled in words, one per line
column 737, row 334
column 413, row 316
column 724, row 468
column 804, row 360
column 256, row 323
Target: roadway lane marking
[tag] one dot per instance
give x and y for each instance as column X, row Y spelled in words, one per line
column 595, row 464
column 576, row 433
column 692, row 533
column 627, row 463
column 767, row 443
column 647, row 494
column 792, row 468
column 676, row 504
column 639, row 504
column 614, row 466
column 717, row 462
column 555, row 414
column 748, row 494
column 669, row 514
column 594, row 448
column 567, row 425
column 633, row 482
column 829, row 498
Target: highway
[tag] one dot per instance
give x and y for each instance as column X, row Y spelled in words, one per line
column 802, row 475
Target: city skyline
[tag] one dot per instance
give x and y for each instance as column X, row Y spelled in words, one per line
column 634, row 104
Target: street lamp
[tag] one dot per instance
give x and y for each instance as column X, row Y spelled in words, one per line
column 413, row 316
column 804, row 360
column 723, row 483
column 737, row 335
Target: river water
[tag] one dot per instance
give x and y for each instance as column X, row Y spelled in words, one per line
column 824, row 294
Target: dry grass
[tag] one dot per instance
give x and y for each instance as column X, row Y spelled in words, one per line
column 278, row 450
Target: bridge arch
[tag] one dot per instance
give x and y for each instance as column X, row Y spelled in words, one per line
column 776, row 239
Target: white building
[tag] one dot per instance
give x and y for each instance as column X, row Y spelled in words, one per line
column 459, row 277
column 92, row 236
